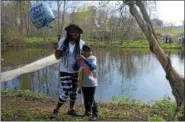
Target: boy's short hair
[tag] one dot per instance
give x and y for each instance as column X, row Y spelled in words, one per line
column 87, row 48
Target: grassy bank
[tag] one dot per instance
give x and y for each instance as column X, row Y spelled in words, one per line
column 26, row 106
column 134, row 44
column 40, row 42
column 34, row 41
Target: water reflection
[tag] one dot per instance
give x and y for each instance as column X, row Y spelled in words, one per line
column 17, row 57
column 132, row 73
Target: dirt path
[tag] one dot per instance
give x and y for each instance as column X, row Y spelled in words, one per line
column 35, row 106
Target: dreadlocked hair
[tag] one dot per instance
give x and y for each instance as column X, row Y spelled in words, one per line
column 65, row 48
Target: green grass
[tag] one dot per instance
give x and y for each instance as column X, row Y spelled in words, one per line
column 174, row 45
column 33, row 41
column 173, row 32
column 24, row 93
column 134, row 44
column 126, row 43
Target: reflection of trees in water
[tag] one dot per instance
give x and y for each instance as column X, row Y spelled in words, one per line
column 17, row 56
column 45, row 81
column 129, row 63
column 102, row 62
column 180, row 54
column 127, row 71
column 132, row 64
column 12, row 84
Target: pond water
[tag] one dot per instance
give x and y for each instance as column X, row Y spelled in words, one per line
column 133, row 73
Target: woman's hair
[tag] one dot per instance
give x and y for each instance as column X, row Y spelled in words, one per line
column 65, row 48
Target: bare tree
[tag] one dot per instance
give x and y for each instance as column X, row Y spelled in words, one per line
column 58, row 17
column 64, row 9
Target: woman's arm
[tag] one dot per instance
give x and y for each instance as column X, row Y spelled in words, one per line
column 58, row 53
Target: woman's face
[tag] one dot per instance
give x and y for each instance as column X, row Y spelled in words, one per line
column 74, row 34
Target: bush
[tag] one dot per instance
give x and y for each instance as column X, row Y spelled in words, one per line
column 165, row 108
column 12, row 38
column 155, row 118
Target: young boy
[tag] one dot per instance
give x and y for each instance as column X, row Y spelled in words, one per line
column 89, row 82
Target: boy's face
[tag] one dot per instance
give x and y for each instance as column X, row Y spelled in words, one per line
column 86, row 53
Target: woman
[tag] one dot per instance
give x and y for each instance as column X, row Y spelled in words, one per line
column 68, row 49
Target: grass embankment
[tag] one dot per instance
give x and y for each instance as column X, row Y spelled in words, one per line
column 24, row 105
column 40, row 42
column 134, row 44
column 34, row 41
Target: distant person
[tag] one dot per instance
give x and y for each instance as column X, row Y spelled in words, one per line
column 180, row 39
column 68, row 50
column 183, row 40
column 168, row 39
column 89, row 82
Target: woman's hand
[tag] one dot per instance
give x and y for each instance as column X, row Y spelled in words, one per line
column 57, row 52
column 55, row 45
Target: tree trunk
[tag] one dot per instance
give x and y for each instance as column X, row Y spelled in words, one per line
column 64, row 9
column 128, row 29
column 175, row 80
column 145, row 15
column 58, row 12
column 20, row 23
column 27, row 19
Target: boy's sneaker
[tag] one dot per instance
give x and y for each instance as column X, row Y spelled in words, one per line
column 54, row 115
column 94, row 118
column 88, row 114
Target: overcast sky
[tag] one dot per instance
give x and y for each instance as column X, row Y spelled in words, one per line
column 171, row 11
column 168, row 11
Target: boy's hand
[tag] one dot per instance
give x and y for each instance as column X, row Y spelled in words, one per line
column 79, row 91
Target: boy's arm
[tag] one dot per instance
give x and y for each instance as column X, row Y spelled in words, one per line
column 91, row 63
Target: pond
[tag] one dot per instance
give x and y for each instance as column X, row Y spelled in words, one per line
column 133, row 73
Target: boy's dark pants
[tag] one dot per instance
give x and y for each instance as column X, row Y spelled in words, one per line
column 89, row 100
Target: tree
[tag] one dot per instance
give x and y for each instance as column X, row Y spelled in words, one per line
column 157, row 22
column 175, row 80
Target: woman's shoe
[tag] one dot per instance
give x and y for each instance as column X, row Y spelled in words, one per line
column 54, row 115
column 72, row 112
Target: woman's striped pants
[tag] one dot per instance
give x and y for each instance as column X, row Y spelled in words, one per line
column 69, row 86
